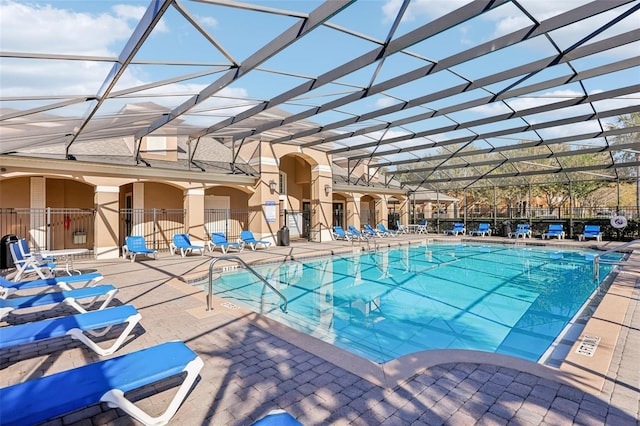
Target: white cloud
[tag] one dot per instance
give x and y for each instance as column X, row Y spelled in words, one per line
column 46, row 29
column 129, row 12
column 208, row 21
column 385, row 102
column 419, row 9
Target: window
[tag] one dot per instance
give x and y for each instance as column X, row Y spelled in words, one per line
column 282, row 184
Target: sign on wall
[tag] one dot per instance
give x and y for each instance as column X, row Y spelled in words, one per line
column 270, row 211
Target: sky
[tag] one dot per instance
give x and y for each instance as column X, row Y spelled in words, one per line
column 93, row 33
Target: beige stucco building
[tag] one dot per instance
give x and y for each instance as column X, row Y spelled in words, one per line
column 158, row 188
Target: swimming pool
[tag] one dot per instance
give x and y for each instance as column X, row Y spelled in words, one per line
column 382, row 305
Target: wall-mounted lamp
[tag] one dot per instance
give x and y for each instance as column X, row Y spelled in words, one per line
column 327, row 189
column 272, row 186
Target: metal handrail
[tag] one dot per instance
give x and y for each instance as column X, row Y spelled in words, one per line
column 250, row 269
column 596, row 258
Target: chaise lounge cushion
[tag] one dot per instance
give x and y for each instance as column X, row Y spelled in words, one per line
column 51, row 396
column 73, row 325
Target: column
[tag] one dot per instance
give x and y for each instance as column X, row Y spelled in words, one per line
column 37, row 202
column 194, row 215
column 353, row 212
column 137, row 204
column 107, row 222
column 322, row 201
column 263, row 204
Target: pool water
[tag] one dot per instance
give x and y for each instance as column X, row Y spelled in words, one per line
column 382, row 305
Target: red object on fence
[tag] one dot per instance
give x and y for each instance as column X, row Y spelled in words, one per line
column 67, row 222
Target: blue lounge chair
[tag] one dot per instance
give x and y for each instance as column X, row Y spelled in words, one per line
column 248, row 238
column 384, row 231
column 70, row 282
column 554, row 231
column 277, row 418
column 458, row 228
column 75, row 326
column 26, row 251
column 29, row 265
column 370, row 232
column 44, row 398
column 522, row 230
column 182, row 242
column 356, row 234
column 422, row 228
column 70, row 298
column 590, row 231
column 135, row 245
column 340, row 234
column 219, row 240
column 484, row 229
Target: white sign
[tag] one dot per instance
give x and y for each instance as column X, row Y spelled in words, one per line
column 270, row 211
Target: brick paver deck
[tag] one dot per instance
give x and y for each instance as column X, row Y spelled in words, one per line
column 253, row 366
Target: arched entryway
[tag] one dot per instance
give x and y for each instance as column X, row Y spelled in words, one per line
column 52, row 213
column 296, row 198
column 226, row 210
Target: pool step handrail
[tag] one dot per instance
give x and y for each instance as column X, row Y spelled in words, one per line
column 596, row 258
column 250, row 269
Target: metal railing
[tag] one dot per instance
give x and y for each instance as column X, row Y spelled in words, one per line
column 250, row 269
column 596, row 258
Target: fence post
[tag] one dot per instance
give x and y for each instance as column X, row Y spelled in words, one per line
column 155, row 222
column 48, row 228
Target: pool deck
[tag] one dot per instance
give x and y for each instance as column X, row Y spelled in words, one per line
column 253, row 365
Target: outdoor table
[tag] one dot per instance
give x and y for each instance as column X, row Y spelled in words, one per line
column 67, row 256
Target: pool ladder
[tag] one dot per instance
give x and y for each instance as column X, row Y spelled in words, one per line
column 237, row 259
column 596, row 258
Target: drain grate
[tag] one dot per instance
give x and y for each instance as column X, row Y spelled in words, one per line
column 229, row 305
column 588, row 345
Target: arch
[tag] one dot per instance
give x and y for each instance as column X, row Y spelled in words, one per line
column 52, row 211
column 296, row 193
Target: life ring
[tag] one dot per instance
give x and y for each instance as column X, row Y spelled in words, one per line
column 619, row 222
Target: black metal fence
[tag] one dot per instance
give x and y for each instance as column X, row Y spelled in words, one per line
column 229, row 222
column 50, row 228
column 157, row 226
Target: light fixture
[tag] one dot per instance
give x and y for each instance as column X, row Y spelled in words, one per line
column 327, row 189
column 272, row 186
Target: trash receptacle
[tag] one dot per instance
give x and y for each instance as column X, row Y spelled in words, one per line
column 6, row 260
column 506, row 228
column 283, row 236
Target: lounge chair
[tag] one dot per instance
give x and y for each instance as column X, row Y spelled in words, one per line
column 70, row 282
column 522, row 230
column 422, row 228
column 34, row 264
column 401, row 228
column 135, row 245
column 219, row 240
column 182, row 242
column 484, row 229
column 356, row 234
column 26, row 251
column 554, row 231
column 590, row 231
column 369, row 231
column 458, row 229
column 277, row 418
column 248, row 238
column 340, row 234
column 75, row 326
column 70, row 298
column 44, row 398
column 385, row 232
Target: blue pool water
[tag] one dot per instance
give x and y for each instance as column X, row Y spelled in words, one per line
column 495, row 298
